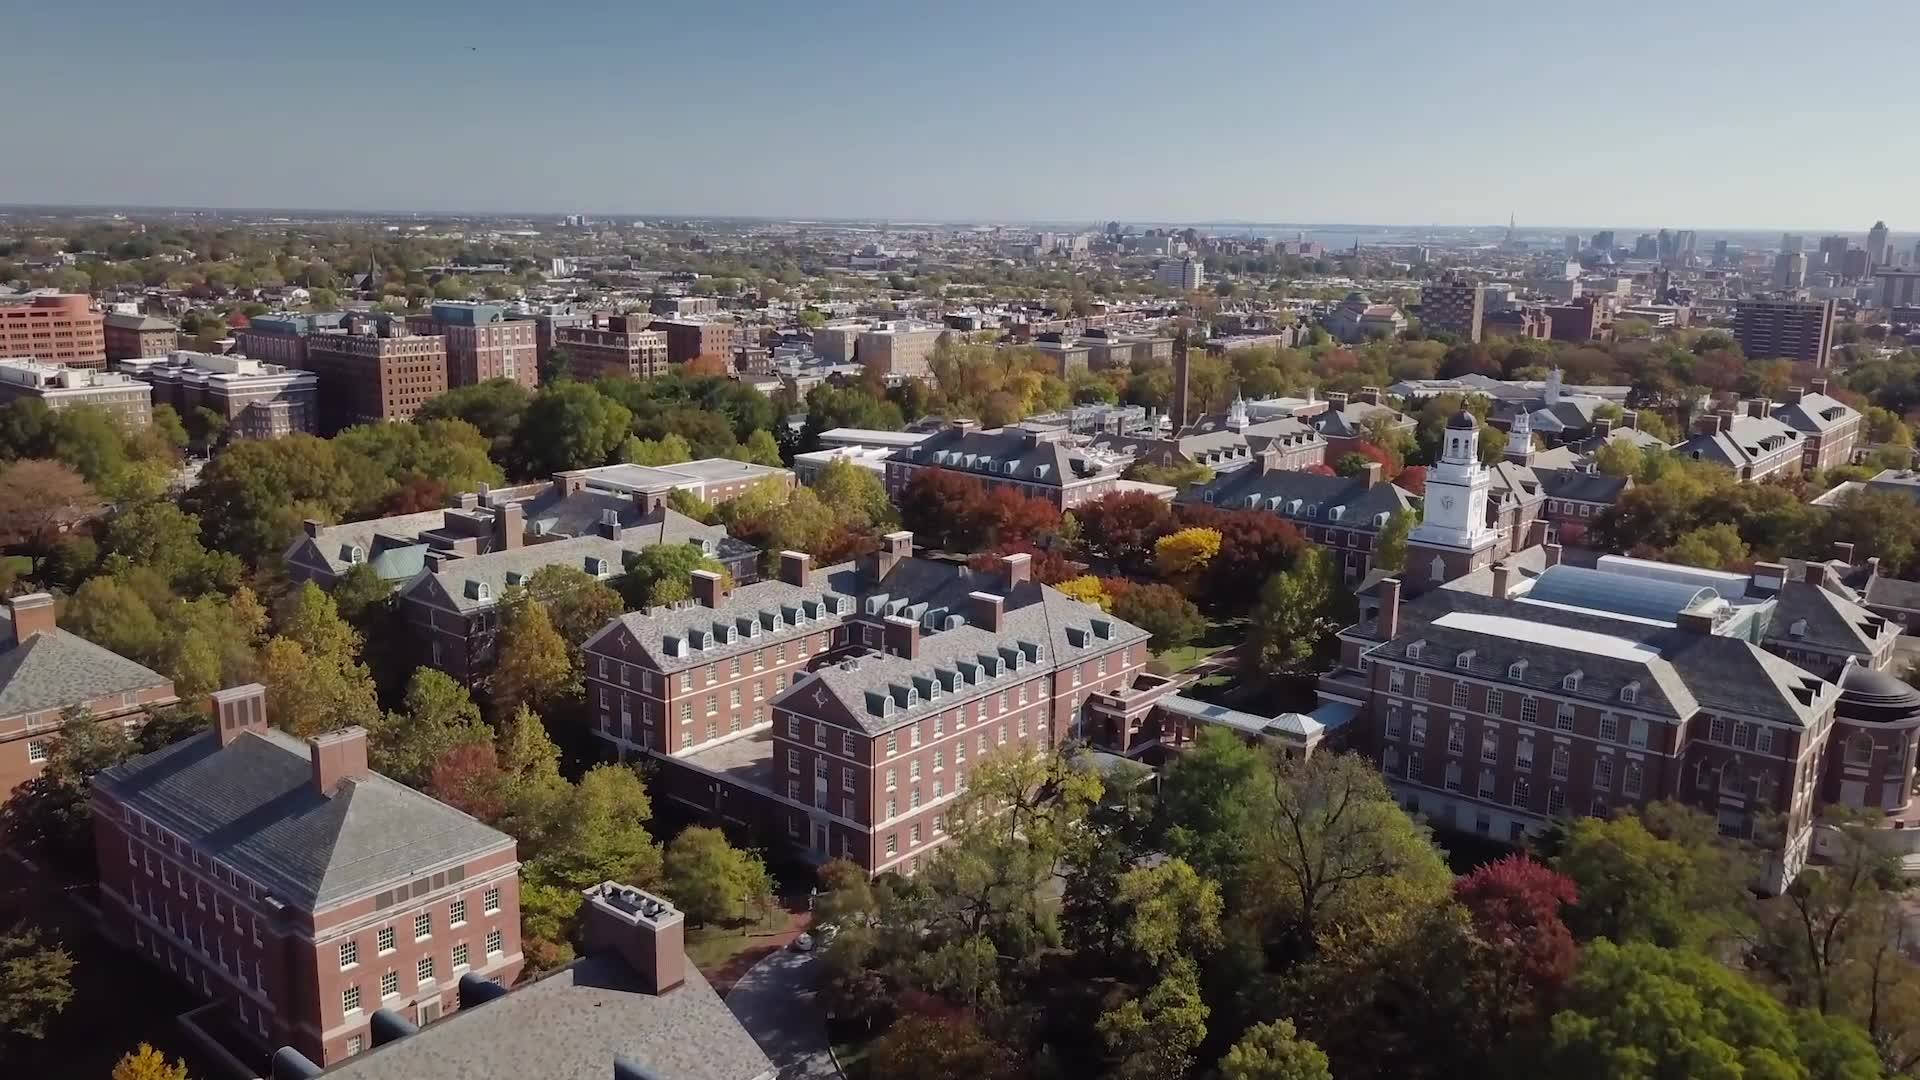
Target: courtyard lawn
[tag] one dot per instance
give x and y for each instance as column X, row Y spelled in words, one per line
column 724, row 953
column 1220, row 636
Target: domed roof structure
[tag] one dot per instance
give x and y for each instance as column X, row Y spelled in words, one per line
column 1875, row 697
column 1462, row 421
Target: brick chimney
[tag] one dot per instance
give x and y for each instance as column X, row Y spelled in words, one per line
column 1387, row 623
column 646, row 931
column 1759, row 408
column 1695, row 619
column 1843, row 550
column 795, row 566
column 706, row 588
column 338, row 756
column 1815, row 574
column 32, row 614
column 1336, row 402
column 1015, row 569
column 1603, row 427
column 901, row 637
column 509, row 527
column 1501, row 578
column 1552, row 552
column 894, row 547
column 1794, row 394
column 237, row 709
column 985, row 611
column 1372, row 474
column 1818, row 386
column 312, row 526
column 1630, row 420
column 1724, row 419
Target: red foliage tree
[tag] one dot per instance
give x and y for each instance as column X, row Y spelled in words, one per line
column 1321, row 469
column 468, row 778
column 1049, row 567
column 1015, row 518
column 1254, row 546
column 1123, row 526
column 1528, row 953
column 1413, row 478
column 941, row 508
column 416, row 494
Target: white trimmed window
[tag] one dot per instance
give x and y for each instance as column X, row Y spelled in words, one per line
column 349, row 953
column 495, row 943
column 389, row 984
column 350, row 1000
column 423, row 926
column 460, row 956
column 458, row 915
column 385, row 939
column 424, row 970
column 491, row 904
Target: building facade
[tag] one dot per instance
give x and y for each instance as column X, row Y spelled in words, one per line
column 1796, row 330
column 373, row 371
column 1453, row 307
column 704, row 341
column 1033, row 461
column 53, row 328
column 298, row 889
column 616, row 345
column 1829, row 428
column 482, row 343
column 129, row 337
column 258, row 400
column 839, row 710
column 57, row 386
column 899, row 350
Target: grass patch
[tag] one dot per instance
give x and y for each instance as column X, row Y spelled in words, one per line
column 1221, row 635
column 724, row 953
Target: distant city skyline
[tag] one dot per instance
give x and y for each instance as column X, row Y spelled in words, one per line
column 1218, row 110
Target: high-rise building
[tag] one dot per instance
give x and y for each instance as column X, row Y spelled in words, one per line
column 1792, row 242
column 1453, row 307
column 1790, row 270
column 1797, row 330
column 1898, row 288
column 1603, row 241
column 1646, row 247
column 1879, row 253
column 375, row 370
column 900, row 349
column 1572, row 244
column 696, row 340
column 1855, row 265
column 1184, row 275
column 481, row 343
column 53, row 328
column 296, row 888
column 620, row 345
column 1719, row 253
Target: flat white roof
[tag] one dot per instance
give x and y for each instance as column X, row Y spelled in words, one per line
column 1558, row 637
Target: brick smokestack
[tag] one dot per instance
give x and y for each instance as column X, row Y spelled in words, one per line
column 239, row 709
column 1501, row 579
column 795, row 566
column 509, row 527
column 1180, row 365
column 32, row 614
column 338, row 756
column 894, row 547
column 643, row 929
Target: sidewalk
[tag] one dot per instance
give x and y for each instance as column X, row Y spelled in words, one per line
column 775, row 1003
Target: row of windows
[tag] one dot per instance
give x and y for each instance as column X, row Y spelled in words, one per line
column 424, row 972
column 1607, row 728
column 1517, row 671
column 1559, row 763
column 385, row 937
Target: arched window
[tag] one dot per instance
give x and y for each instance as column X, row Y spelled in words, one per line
column 1731, row 776
column 1860, row 749
column 1438, row 570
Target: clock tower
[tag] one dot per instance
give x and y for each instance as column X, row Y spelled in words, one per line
column 1453, row 538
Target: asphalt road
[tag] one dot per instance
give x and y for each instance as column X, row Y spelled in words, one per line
column 775, row 1003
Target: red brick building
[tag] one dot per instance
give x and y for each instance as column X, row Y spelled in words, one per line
column 617, row 345
column 376, row 370
column 44, row 671
column 297, row 888
column 839, row 710
column 130, row 337
column 689, row 340
column 53, row 328
column 481, row 343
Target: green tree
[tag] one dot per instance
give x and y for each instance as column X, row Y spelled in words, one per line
column 1294, row 615
column 160, row 536
column 578, row 604
column 310, row 694
column 1161, row 611
column 36, row 981
column 1273, row 1051
column 1620, row 457
column 1392, row 552
column 438, row 715
column 663, row 574
column 1661, row 877
column 1154, row 1036
column 1715, row 547
column 1640, row 1012
column 39, row 501
column 711, row 880
column 570, row 425
column 1206, row 802
column 1172, row 912
column 252, row 497
column 761, row 449
column 669, row 449
column 51, row 812
column 601, row 833
column 532, row 666
column 146, row 1063
column 494, row 408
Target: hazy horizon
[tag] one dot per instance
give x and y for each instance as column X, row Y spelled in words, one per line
column 1712, row 117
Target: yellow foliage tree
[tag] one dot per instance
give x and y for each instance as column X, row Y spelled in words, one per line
column 1087, row 589
column 1187, row 551
column 146, row 1063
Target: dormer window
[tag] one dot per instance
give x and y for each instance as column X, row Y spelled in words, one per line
column 1464, row 661
column 1630, row 693
column 1414, row 650
column 1571, row 682
column 1797, row 629
column 1517, row 670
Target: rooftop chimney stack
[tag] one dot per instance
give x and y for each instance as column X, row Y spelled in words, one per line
column 32, row 614
column 1180, row 365
column 706, row 588
column 645, row 930
column 1818, row 386
column 1501, row 575
column 1794, row 394
column 338, row 756
column 312, row 526
column 1387, row 624
column 1552, row 553
column 987, row 610
column 509, row 527
column 1843, row 550
column 238, row 709
column 901, row 637
column 794, row 567
column 1016, row 569
column 894, row 547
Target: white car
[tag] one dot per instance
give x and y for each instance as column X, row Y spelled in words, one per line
column 803, row 943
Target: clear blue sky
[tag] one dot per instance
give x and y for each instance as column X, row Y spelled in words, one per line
column 1699, row 114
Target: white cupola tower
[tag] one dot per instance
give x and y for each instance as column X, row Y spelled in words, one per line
column 1520, row 437
column 1456, row 499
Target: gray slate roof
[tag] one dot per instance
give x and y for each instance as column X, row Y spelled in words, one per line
column 1581, row 486
column 1747, row 440
column 1041, row 462
column 1277, row 489
column 1679, row 671
column 1832, row 621
column 1815, row 414
column 58, row 669
column 569, row 1026
column 253, row 806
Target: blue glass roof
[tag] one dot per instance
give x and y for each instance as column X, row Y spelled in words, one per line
column 1622, row 594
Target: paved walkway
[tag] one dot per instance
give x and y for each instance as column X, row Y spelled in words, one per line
column 775, row 1003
